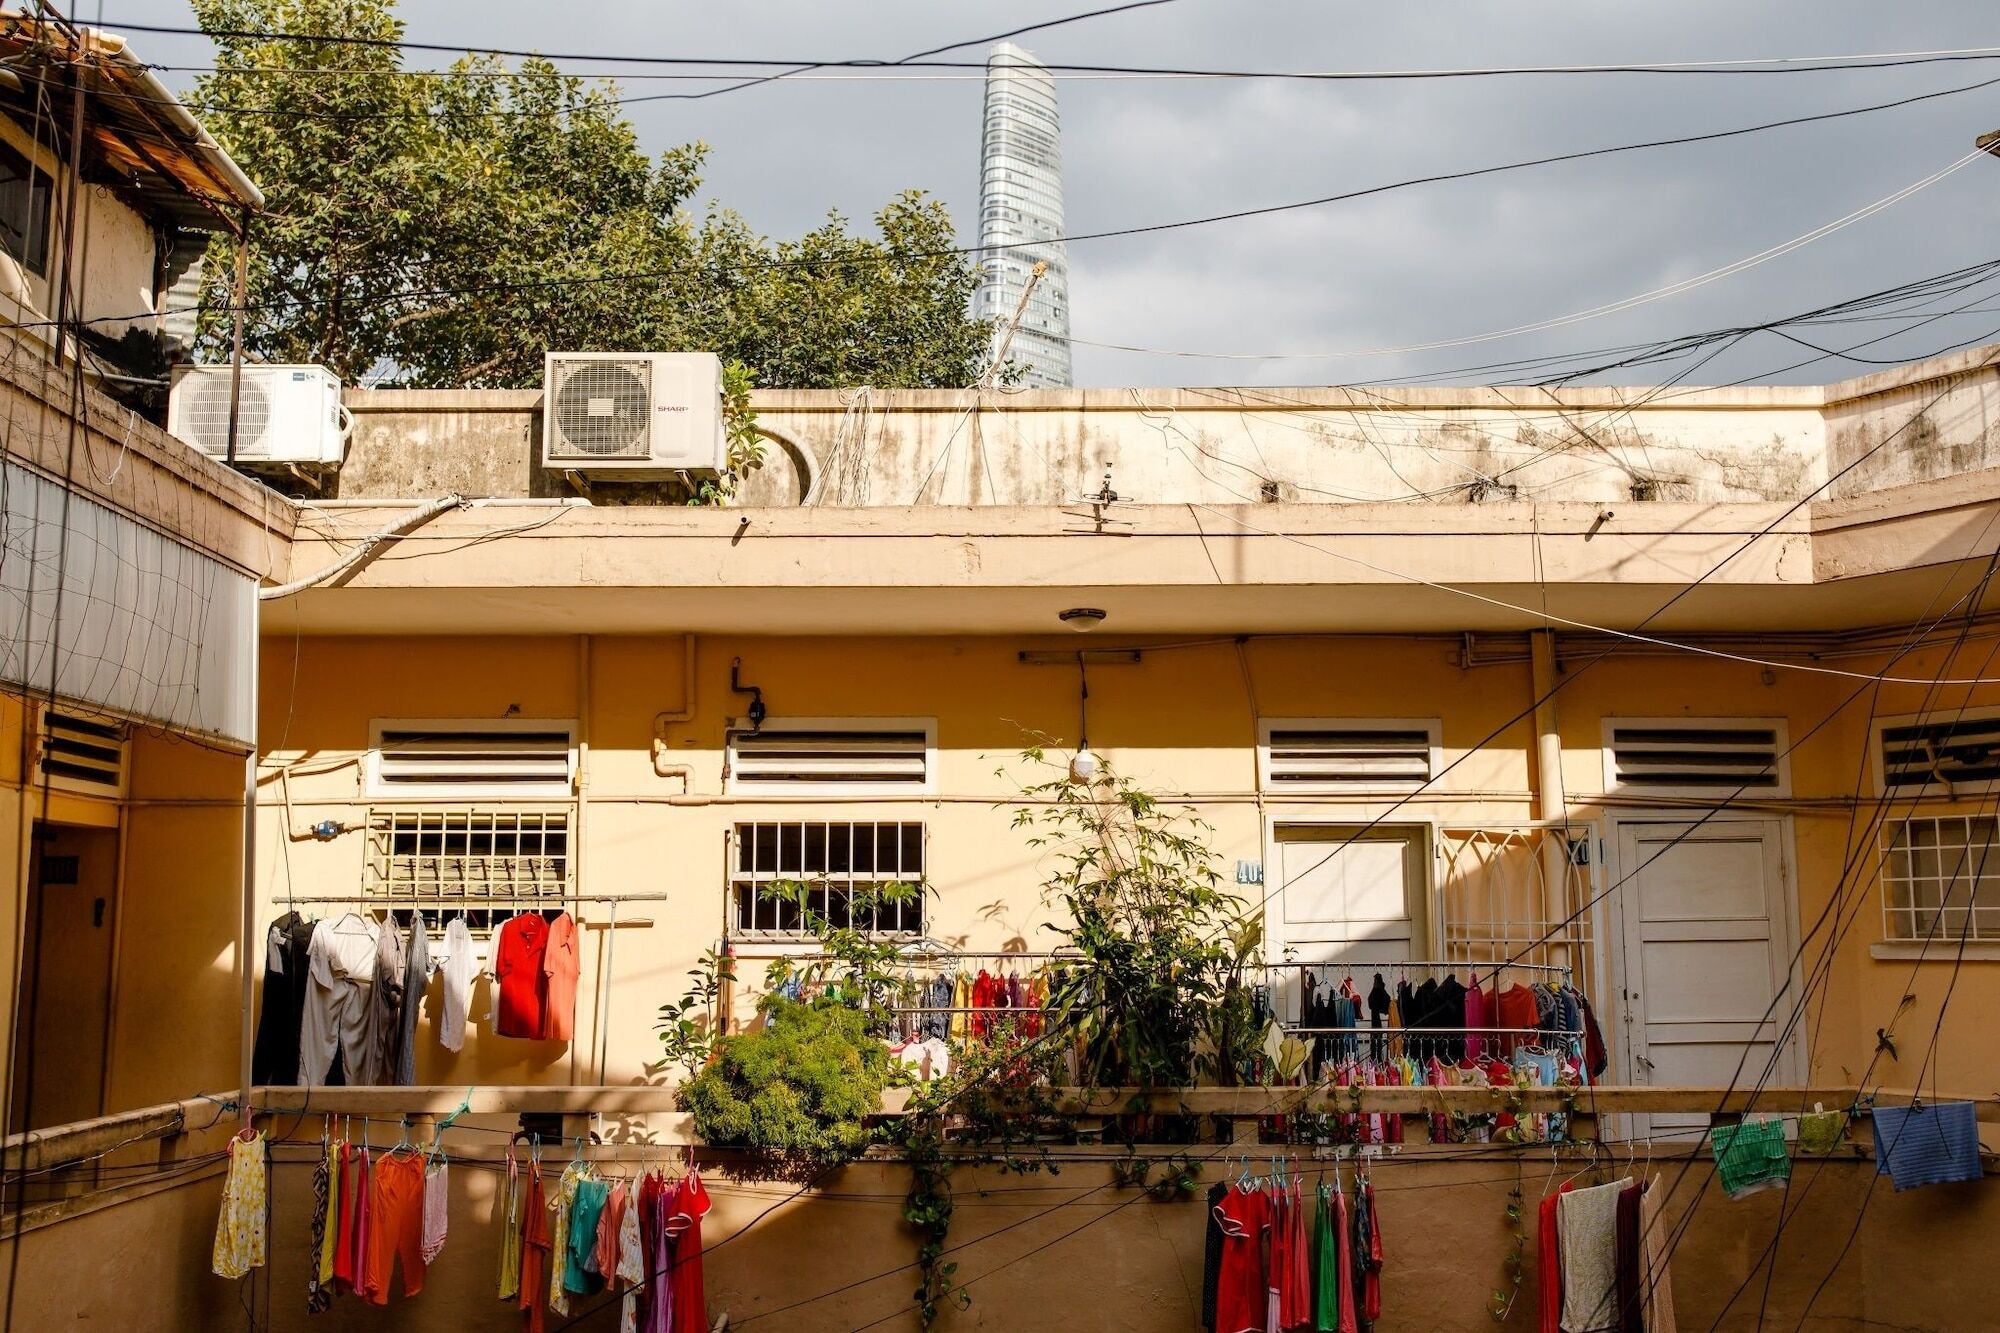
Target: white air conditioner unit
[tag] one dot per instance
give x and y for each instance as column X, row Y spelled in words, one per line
column 287, row 414
column 633, row 414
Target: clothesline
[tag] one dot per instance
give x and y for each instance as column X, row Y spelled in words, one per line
column 1366, row 1032
column 1346, row 965
column 947, row 956
column 406, row 901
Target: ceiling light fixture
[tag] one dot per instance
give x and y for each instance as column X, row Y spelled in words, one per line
column 1082, row 619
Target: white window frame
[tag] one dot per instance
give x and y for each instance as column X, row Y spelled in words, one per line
column 732, row 785
column 1880, row 726
column 774, row 943
column 375, row 787
column 480, row 896
column 1781, row 742
column 1430, row 726
column 1891, row 911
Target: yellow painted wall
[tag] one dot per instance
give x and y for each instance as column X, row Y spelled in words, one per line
column 175, row 1016
column 839, row 1256
column 1181, row 722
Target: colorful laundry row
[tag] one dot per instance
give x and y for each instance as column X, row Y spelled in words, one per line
column 591, row 1234
column 1282, row 1258
column 1917, row 1145
column 959, row 1006
column 1449, row 1020
column 342, row 997
column 1602, row 1260
column 371, row 1213
column 1529, row 1067
column 380, row 1216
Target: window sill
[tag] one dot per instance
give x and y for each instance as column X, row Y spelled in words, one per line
column 765, row 949
column 804, row 945
column 1938, row 951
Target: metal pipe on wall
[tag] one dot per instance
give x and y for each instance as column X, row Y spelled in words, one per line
column 1551, row 802
column 247, row 933
column 577, row 840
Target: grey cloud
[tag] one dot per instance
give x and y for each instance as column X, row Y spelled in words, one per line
column 1432, row 262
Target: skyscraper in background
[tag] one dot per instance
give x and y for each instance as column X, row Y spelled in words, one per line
column 1020, row 209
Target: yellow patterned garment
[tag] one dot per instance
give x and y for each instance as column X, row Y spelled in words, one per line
column 332, row 1232
column 239, row 1231
column 961, row 1000
column 560, row 1203
column 509, row 1216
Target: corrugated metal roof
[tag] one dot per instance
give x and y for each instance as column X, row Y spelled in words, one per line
column 140, row 139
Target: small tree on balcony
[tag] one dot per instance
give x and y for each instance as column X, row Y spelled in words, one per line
column 1156, row 996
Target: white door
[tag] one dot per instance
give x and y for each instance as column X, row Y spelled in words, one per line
column 1345, row 893
column 1705, row 946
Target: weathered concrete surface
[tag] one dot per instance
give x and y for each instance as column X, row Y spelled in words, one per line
column 896, row 447
column 1915, row 423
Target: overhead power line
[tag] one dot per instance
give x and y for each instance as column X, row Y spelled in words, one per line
column 919, row 55
column 1725, row 65
column 916, row 256
column 1576, row 317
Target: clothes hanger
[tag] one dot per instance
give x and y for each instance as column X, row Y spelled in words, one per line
column 1555, row 1165
column 1589, row 1165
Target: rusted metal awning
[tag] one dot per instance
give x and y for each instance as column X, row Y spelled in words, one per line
column 141, row 141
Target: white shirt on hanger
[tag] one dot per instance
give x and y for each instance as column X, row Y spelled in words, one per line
column 457, row 959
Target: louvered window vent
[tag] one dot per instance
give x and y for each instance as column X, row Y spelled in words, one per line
column 1368, row 756
column 1948, row 754
column 828, row 757
column 1702, row 757
column 473, row 759
column 83, row 754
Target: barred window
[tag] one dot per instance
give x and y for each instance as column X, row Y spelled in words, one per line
column 487, row 864
column 844, row 867
column 1941, row 879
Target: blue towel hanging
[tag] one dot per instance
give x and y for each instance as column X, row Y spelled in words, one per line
column 1934, row 1144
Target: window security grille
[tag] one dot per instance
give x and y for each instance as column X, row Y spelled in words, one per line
column 837, row 861
column 473, row 759
column 1960, row 754
column 834, row 757
column 1941, row 879
column 1365, row 756
column 1693, row 758
column 487, row 864
column 83, row 754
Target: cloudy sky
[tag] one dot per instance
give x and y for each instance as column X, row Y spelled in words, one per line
column 1419, row 265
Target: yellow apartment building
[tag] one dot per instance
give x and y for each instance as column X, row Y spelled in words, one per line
column 1687, row 695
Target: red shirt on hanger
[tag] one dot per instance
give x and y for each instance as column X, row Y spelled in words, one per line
column 1240, row 1293
column 560, row 967
column 690, row 1205
column 519, row 955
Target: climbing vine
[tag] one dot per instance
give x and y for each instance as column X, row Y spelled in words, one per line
column 745, row 447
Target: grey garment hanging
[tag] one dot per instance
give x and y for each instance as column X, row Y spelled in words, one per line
column 385, row 1009
column 416, row 978
column 336, row 1033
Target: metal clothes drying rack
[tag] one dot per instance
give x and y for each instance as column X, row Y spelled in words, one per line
column 1364, row 1033
column 445, row 908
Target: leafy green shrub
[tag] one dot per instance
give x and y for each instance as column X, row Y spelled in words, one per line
column 799, row 1087
column 1157, row 993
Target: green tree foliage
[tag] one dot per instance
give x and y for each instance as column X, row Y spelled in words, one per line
column 455, row 225
column 1157, row 994
column 800, row 1087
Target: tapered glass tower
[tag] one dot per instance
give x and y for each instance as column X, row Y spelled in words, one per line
column 1021, row 215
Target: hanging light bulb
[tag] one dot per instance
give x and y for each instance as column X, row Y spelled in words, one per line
column 1082, row 766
